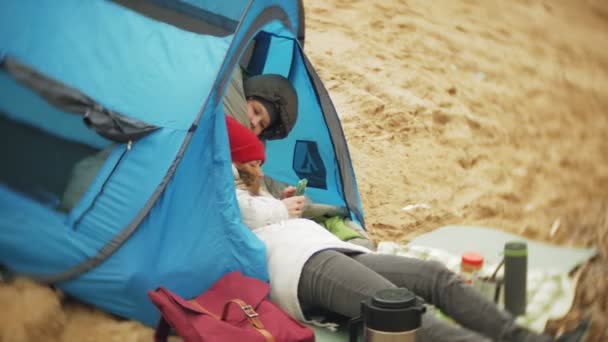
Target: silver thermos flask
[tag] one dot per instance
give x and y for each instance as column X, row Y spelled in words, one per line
column 390, row 315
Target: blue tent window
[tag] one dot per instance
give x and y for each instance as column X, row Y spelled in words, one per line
column 307, row 163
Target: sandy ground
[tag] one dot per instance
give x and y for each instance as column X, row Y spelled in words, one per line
column 490, row 112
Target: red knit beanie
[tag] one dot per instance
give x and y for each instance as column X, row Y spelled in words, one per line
column 244, row 144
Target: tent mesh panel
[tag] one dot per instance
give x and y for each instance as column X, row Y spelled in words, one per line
column 35, row 162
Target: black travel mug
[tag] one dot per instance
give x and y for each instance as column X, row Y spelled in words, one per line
column 516, row 270
column 390, row 315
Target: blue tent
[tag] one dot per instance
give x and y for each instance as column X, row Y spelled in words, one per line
column 78, row 76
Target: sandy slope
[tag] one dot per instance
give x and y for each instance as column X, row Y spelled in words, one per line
column 490, row 112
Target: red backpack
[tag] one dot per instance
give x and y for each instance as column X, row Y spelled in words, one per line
column 235, row 308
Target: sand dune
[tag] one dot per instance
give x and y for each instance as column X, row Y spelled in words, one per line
column 491, row 113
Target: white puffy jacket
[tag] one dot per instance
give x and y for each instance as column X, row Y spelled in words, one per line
column 289, row 244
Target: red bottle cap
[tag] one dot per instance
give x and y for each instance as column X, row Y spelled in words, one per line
column 472, row 259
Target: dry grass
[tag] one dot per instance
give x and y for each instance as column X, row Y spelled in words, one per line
column 591, row 298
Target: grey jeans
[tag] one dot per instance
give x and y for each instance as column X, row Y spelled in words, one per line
column 338, row 283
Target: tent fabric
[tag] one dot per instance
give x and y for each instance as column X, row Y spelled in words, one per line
column 187, row 16
column 162, row 209
column 142, row 60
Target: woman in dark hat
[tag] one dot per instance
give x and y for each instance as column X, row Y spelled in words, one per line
column 272, row 105
column 267, row 104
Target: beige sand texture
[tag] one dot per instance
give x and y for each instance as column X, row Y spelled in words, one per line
column 489, row 112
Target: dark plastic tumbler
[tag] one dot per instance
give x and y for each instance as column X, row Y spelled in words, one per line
column 516, row 270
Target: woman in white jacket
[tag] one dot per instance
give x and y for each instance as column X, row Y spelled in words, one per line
column 311, row 269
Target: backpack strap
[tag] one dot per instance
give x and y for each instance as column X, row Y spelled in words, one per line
column 162, row 330
column 252, row 317
column 200, row 307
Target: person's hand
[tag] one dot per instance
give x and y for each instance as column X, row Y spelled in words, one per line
column 295, row 205
column 288, row 192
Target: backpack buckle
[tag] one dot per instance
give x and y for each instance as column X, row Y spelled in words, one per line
column 249, row 311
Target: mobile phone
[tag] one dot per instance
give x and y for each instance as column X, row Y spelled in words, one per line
column 301, row 186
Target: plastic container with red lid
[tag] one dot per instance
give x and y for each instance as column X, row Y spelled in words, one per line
column 470, row 265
